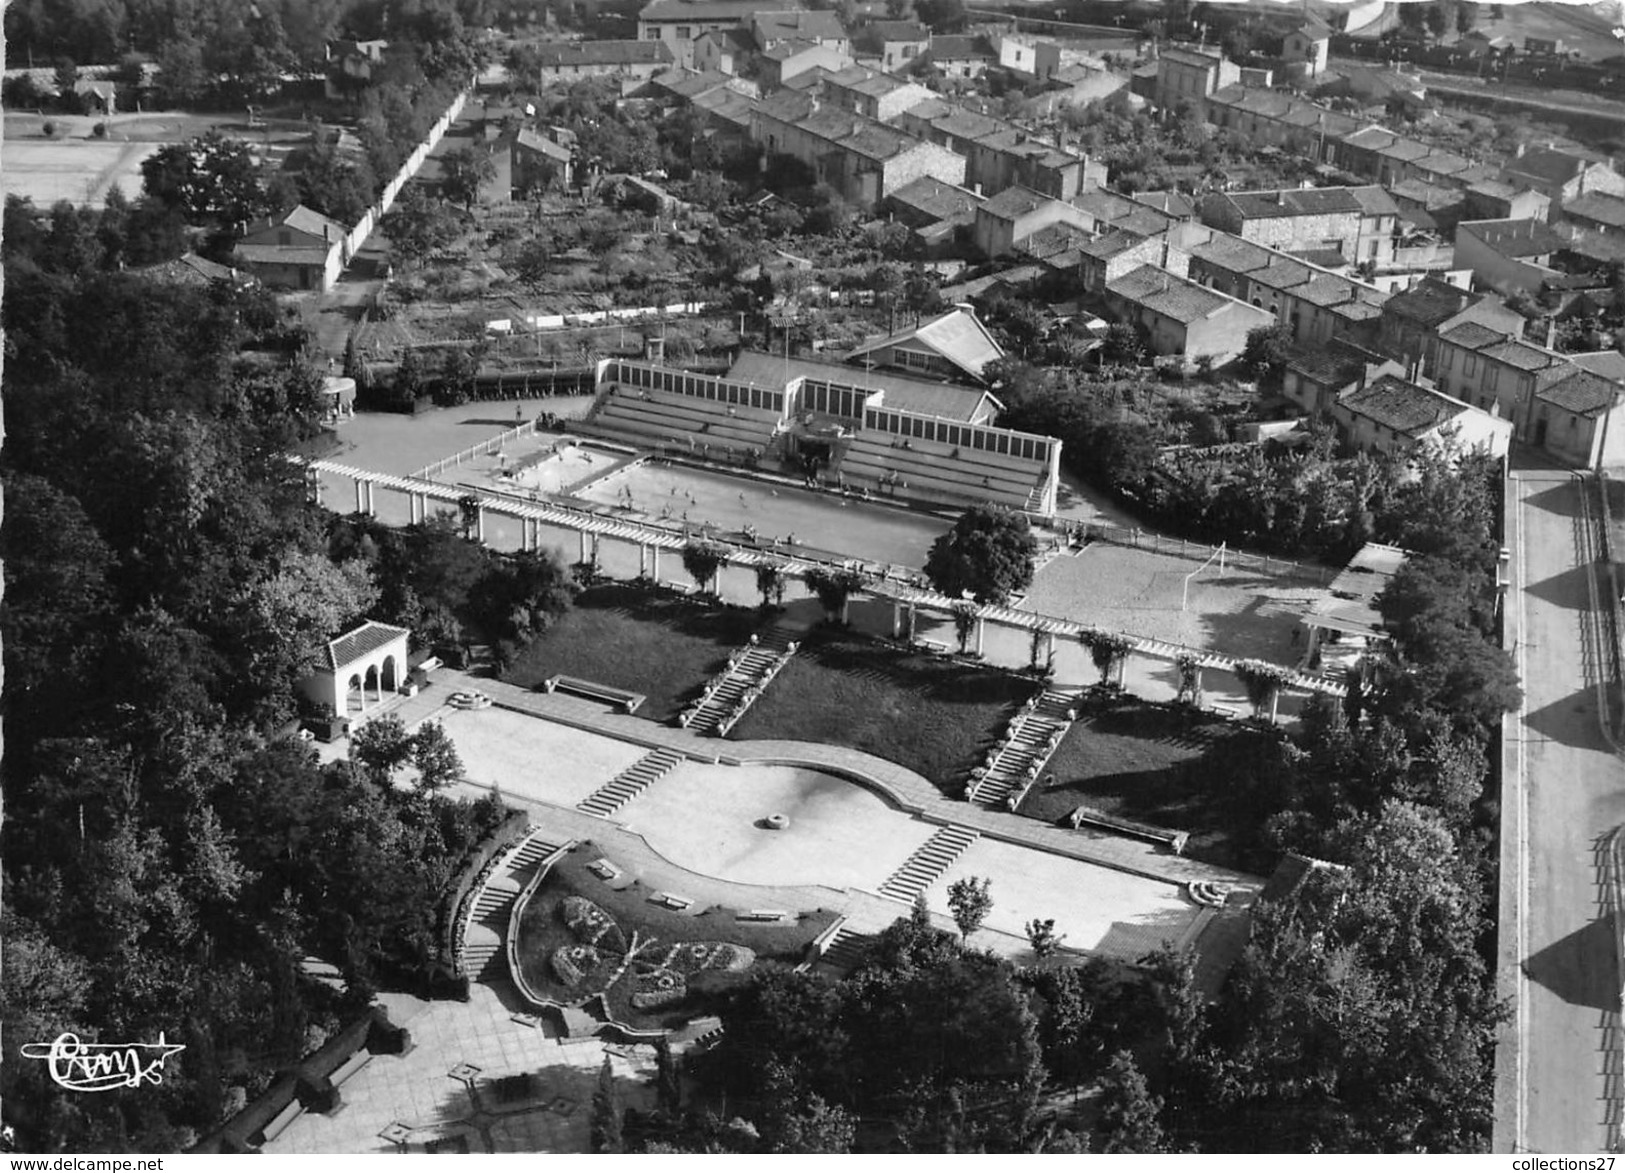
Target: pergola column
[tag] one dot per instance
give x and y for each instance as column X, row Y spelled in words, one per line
column 1049, row 647
column 643, row 560
column 654, row 562
column 582, row 534
column 980, row 625
column 372, row 508
column 360, row 495
column 479, row 522
column 896, row 619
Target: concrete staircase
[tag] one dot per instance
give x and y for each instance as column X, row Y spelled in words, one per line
column 1027, row 745
column 748, row 671
column 922, row 869
column 846, row 949
column 629, row 783
column 487, row 929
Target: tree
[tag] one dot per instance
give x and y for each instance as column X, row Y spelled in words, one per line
column 988, row 555
column 1123, row 345
column 770, row 582
column 1107, row 649
column 1128, row 1111
column 435, row 756
column 418, row 225
column 668, row 1082
column 1042, row 937
column 1438, row 19
column 606, row 1112
column 921, row 294
column 381, row 746
column 212, row 180
column 944, row 16
column 1269, row 348
column 964, row 617
column 464, row 172
column 834, row 588
column 1466, row 17
column 703, row 559
column 969, row 901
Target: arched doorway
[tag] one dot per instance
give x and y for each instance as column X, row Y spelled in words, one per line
column 388, row 677
column 371, row 682
column 355, row 699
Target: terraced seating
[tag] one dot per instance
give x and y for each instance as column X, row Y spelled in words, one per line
column 931, row 471
column 629, row 783
column 489, row 911
column 665, row 417
column 933, row 857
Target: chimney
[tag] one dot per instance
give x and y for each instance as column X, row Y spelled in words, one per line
column 1518, row 154
column 1551, row 332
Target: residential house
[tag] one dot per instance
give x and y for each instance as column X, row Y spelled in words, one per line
column 998, row 155
column 191, row 269
column 1008, row 218
column 1496, row 199
column 1508, row 254
column 961, row 57
column 565, row 61
column 1306, row 47
column 952, row 346
column 939, row 214
column 724, row 50
column 863, row 160
column 1183, row 318
column 1030, row 58
column 1479, row 45
column 97, row 95
column 880, row 96
column 1390, row 414
column 1412, row 320
column 1273, row 119
column 898, row 44
column 350, row 66
column 1429, row 207
column 784, row 60
column 1315, row 304
column 1107, row 210
column 1317, row 376
column 1169, row 202
column 1597, row 211
column 538, row 162
column 1497, row 372
column 297, row 249
column 1562, row 175
column 1120, row 251
column 678, row 23
column 1074, row 85
column 1359, row 222
column 1574, row 420
column 1189, row 76
column 821, row 27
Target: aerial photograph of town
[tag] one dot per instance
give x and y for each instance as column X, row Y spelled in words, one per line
column 813, row 577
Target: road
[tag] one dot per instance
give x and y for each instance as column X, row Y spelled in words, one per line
column 1558, row 1081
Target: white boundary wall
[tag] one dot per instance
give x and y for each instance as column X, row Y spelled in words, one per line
column 414, row 162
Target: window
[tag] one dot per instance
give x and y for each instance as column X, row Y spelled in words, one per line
column 1471, row 366
column 684, row 32
column 1495, row 377
column 651, row 34
column 1449, row 360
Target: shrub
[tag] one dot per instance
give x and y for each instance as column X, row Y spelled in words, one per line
column 49, row 129
column 99, row 130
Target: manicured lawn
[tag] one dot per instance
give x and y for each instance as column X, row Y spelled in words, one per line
column 1153, row 764
column 542, row 930
column 664, row 646
column 934, row 716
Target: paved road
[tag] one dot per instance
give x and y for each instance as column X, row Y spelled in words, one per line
column 1558, row 1081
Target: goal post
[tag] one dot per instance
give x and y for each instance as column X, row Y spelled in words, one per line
column 1185, row 592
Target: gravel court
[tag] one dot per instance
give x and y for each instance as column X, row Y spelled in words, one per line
column 534, row 759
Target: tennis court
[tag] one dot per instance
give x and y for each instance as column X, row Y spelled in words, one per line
column 1240, row 612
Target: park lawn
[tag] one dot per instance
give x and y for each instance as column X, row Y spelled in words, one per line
column 542, row 930
column 663, row 645
column 1158, row 764
column 934, row 716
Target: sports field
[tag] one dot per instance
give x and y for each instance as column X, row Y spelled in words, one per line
column 81, row 171
column 1238, row 612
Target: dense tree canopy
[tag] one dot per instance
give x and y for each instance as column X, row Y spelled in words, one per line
column 988, row 554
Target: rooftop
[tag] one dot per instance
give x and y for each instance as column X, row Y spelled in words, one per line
column 369, row 637
column 1014, row 202
column 735, row 10
column 947, row 400
column 1546, row 165
column 1514, row 238
column 1599, row 207
column 1583, row 393
column 1172, row 297
column 565, row 54
column 1335, row 364
column 300, row 219
column 939, row 200
column 956, row 335
column 808, row 26
column 899, row 30
column 1191, row 55
column 1408, row 408
column 961, row 47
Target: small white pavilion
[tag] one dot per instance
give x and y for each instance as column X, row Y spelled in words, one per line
column 361, row 666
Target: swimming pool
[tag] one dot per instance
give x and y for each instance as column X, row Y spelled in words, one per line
column 668, row 494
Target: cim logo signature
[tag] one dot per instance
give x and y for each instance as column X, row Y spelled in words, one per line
column 101, row 1067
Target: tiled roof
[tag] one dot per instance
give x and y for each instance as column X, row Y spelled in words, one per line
column 956, row 335
column 1599, row 207
column 957, row 47
column 1172, row 297
column 1391, row 402
column 1326, row 258
column 1610, row 364
column 367, row 638
column 1282, row 273
column 899, row 30
column 1583, row 393
column 1056, row 244
column 1430, row 195
column 1441, row 163
column 1014, row 202
column 1428, row 303
column 1234, row 254
column 851, row 132
column 301, row 219
column 1197, row 57
column 1112, row 244
column 937, row 199
column 566, row 54
column 1335, row 364
column 191, row 269
column 1169, row 203
column 814, row 25
column 1514, row 238
column 1521, row 355
column 736, row 10
column 1473, row 335
column 1404, row 150
column 1372, row 138
column 283, row 254
column 1546, row 165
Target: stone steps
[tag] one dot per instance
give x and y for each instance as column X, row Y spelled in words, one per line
column 629, row 783
column 846, row 949
column 929, row 861
column 493, row 905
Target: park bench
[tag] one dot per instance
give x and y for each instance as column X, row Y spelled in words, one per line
column 279, row 1123
column 598, row 692
column 350, row 1066
column 1084, row 816
column 675, row 903
column 763, row 914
